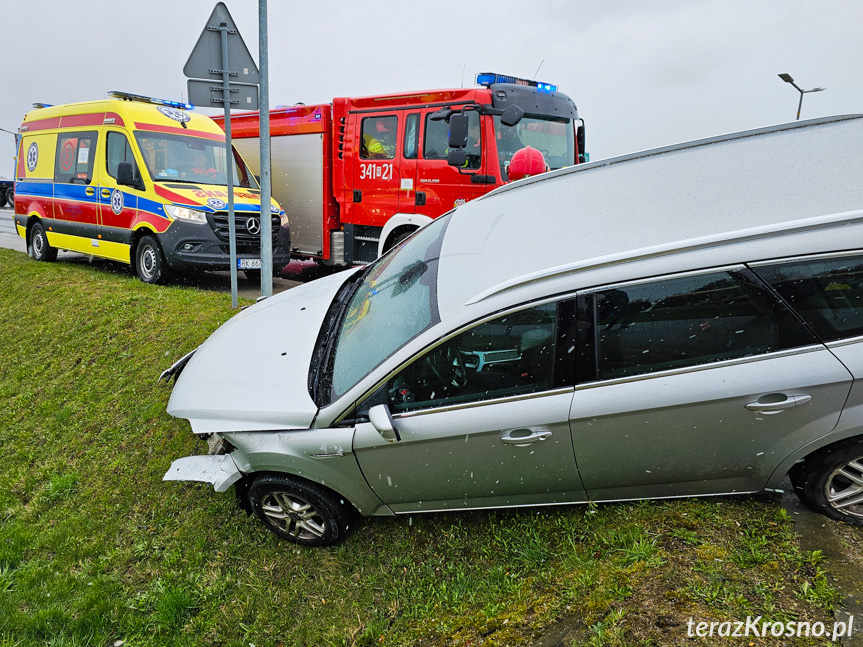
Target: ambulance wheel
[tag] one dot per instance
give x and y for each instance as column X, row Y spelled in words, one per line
column 39, row 249
column 149, row 261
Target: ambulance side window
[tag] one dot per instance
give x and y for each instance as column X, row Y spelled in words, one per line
column 119, row 150
column 75, row 154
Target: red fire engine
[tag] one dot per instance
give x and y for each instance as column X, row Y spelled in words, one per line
column 359, row 175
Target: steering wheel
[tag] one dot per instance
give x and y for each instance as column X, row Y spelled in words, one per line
column 447, row 365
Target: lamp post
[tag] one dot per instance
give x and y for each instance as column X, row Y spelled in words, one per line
column 787, row 78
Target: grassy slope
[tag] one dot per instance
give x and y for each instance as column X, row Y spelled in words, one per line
column 94, row 547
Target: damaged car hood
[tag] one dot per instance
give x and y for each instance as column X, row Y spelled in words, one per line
column 252, row 373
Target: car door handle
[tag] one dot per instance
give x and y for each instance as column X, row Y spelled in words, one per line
column 789, row 402
column 524, row 441
column 90, row 191
column 106, row 193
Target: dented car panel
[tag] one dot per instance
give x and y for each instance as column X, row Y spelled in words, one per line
column 219, row 471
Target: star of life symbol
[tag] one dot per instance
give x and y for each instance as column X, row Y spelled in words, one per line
column 215, row 203
column 32, row 156
column 117, row 201
column 173, row 113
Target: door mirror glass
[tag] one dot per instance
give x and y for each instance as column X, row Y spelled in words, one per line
column 457, row 158
column 458, row 131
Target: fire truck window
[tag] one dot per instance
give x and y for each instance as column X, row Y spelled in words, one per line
column 412, row 132
column 379, row 138
column 119, row 150
column 435, row 144
column 75, row 153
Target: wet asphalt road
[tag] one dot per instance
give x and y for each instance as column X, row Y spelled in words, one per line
column 296, row 273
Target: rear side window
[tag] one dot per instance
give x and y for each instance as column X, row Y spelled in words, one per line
column 118, row 150
column 379, row 135
column 687, row 321
column 826, row 292
column 75, row 154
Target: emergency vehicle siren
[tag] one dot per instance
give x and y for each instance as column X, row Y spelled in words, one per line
column 487, row 78
column 128, row 96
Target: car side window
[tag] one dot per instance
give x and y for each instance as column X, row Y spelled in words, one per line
column 378, row 139
column 75, row 153
column 826, row 292
column 511, row 355
column 118, row 150
column 687, row 321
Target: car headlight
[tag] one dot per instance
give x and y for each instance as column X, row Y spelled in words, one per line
column 185, row 214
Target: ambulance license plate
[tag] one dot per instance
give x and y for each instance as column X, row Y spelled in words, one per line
column 249, row 263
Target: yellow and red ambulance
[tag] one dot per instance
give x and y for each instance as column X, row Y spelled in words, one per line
column 141, row 181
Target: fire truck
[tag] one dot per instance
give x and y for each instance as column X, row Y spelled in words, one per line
column 359, row 175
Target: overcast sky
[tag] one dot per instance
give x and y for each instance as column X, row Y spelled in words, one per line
column 642, row 73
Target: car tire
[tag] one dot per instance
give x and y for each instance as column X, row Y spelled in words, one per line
column 298, row 510
column 38, row 246
column 831, row 479
column 149, row 261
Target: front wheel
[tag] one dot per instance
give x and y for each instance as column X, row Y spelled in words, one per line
column 149, row 261
column 832, row 483
column 299, row 511
column 38, row 247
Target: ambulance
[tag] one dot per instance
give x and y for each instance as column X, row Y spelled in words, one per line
column 140, row 181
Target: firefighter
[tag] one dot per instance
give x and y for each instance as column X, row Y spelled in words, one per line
column 526, row 162
column 381, row 147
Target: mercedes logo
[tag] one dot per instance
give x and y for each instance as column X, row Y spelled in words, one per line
column 253, row 226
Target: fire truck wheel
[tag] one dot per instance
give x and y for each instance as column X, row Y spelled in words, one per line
column 149, row 261
column 38, row 248
column 396, row 240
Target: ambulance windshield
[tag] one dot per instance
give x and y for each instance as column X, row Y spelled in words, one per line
column 183, row 158
column 553, row 136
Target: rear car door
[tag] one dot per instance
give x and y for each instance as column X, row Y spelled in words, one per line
column 696, row 384
column 482, row 420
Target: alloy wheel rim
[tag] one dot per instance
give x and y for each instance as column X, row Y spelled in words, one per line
column 844, row 488
column 293, row 515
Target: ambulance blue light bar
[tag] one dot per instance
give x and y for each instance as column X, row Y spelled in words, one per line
column 487, row 78
column 128, row 96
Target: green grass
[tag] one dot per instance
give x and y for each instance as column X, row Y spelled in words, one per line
column 95, row 548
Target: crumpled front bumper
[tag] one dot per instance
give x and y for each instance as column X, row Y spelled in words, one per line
column 219, row 471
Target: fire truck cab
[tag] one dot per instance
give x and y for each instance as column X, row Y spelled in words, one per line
column 359, row 175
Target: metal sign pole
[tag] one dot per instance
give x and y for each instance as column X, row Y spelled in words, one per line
column 266, row 187
column 229, row 161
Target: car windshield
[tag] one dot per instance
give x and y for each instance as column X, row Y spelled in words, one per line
column 553, row 136
column 395, row 301
column 184, row 158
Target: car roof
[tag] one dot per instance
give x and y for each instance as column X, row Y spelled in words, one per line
column 655, row 202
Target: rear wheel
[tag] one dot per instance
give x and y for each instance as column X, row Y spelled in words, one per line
column 149, row 261
column 299, row 511
column 831, row 482
column 38, row 246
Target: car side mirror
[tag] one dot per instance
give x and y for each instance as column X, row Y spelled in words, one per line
column 458, row 131
column 456, row 158
column 125, row 176
column 511, row 116
column 382, row 421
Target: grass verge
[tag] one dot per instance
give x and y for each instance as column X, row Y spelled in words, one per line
column 95, row 548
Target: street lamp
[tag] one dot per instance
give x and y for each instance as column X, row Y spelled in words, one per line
column 787, row 78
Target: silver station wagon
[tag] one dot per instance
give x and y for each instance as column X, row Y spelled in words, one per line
column 682, row 322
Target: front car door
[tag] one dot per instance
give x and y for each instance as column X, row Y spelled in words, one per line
column 118, row 204
column 482, row 419
column 696, row 384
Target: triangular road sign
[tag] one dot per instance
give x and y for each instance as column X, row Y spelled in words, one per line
column 205, row 61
